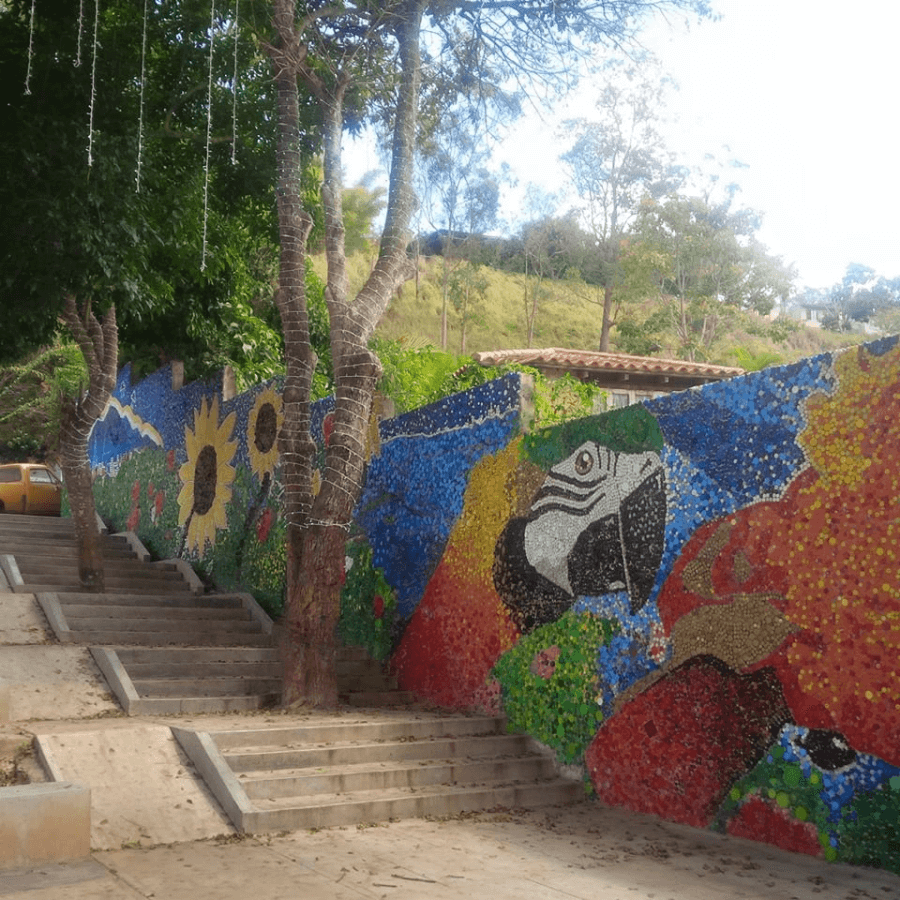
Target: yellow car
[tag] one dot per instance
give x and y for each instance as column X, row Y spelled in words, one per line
column 29, row 488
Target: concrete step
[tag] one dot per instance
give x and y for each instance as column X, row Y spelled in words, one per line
column 206, row 680
column 46, row 582
column 26, row 547
column 51, row 526
column 162, row 600
column 115, row 638
column 369, row 699
column 124, row 567
column 391, row 775
column 196, row 656
column 367, row 730
column 160, row 623
column 234, row 685
column 67, row 586
column 352, row 770
column 183, row 706
column 352, row 667
column 343, row 754
column 363, row 681
column 177, row 616
column 365, row 807
column 140, row 584
column 175, row 671
column 387, row 776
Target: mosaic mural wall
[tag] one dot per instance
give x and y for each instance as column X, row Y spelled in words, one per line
column 696, row 599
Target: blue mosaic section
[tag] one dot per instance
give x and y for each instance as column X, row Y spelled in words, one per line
column 741, row 434
column 414, row 489
column 493, row 400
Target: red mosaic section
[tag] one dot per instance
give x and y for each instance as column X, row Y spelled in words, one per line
column 762, row 820
column 825, row 556
column 676, row 749
column 457, row 633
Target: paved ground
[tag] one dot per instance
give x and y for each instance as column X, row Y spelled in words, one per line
column 559, row 854
column 157, row 832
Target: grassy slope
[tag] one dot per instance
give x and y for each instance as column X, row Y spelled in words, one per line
column 566, row 318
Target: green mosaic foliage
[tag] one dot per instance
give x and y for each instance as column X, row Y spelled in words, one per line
column 628, row 430
column 368, row 605
column 871, row 834
column 863, row 833
column 550, row 685
column 785, row 783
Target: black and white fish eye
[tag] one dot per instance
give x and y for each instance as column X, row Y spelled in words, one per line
column 829, row 750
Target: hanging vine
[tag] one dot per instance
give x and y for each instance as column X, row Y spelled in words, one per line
column 212, row 34
column 30, row 49
column 90, row 148
column 234, row 86
column 140, row 151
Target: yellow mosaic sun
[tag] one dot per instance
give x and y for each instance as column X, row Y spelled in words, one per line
column 266, row 419
column 207, row 476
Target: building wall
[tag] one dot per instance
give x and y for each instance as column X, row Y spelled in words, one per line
column 696, row 599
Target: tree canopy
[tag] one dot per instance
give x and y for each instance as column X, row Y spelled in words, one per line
column 859, row 297
column 704, row 263
column 105, row 186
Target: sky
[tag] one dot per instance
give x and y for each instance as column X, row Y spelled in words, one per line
column 803, row 94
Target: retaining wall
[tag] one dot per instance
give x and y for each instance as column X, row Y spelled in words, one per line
column 696, row 598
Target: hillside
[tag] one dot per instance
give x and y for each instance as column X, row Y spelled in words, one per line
column 566, row 317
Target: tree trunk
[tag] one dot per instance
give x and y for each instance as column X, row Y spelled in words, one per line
column 317, row 525
column 607, row 318
column 79, row 484
column 445, row 294
column 314, row 594
column 99, row 342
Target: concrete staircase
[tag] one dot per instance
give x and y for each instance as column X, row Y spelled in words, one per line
column 166, row 648
column 350, row 772
column 163, row 646
column 38, row 555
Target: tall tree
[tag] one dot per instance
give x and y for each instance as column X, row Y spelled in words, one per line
column 706, row 264
column 340, row 53
column 98, row 340
column 549, row 250
column 460, row 195
column 856, row 298
column 618, row 157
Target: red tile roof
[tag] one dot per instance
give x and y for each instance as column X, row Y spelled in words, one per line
column 605, row 362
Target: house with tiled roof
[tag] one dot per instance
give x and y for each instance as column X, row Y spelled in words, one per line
column 628, row 379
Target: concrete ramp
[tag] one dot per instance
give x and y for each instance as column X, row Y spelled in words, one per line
column 144, row 789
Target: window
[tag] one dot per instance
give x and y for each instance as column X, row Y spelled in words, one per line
column 11, row 475
column 41, row 476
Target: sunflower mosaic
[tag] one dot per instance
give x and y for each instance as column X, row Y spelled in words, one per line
column 206, row 477
column 263, row 427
